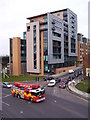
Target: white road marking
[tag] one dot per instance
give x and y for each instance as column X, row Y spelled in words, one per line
column 29, row 102
column 55, row 101
column 6, row 103
column 21, row 112
column 7, row 95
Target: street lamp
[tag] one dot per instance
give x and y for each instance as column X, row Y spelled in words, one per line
column 48, row 72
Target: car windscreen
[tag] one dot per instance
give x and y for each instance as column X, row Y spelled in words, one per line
column 38, row 93
column 51, row 82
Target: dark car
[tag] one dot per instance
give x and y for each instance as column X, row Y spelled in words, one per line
column 52, row 72
column 69, row 78
column 57, row 80
column 62, row 85
column 65, row 81
column 47, row 78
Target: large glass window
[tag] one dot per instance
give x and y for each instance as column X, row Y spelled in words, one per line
column 56, row 49
column 28, row 28
column 34, row 47
column 45, row 50
column 45, row 19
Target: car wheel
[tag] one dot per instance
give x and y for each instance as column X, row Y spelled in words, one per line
column 15, row 95
column 31, row 100
column 18, row 96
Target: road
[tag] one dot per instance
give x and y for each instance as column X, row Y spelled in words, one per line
column 59, row 103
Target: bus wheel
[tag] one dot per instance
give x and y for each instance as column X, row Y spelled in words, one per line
column 31, row 100
column 15, row 95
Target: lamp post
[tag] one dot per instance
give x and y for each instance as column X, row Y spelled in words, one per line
column 48, row 72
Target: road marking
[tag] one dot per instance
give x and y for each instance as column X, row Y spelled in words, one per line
column 5, row 103
column 21, row 112
column 7, row 95
column 55, row 101
column 29, row 102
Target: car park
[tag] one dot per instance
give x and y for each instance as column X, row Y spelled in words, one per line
column 62, row 85
column 6, row 85
column 52, row 83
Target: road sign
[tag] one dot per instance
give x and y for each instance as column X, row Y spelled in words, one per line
column 88, row 72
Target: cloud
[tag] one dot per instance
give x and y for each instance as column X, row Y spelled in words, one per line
column 13, row 14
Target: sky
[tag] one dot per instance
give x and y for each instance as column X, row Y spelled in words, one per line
column 13, row 14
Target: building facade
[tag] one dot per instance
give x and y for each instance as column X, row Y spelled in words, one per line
column 51, row 41
column 82, row 48
column 17, row 56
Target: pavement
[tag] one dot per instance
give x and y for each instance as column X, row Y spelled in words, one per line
column 73, row 89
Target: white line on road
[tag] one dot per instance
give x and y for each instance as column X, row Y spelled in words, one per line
column 21, row 112
column 5, row 103
column 7, row 95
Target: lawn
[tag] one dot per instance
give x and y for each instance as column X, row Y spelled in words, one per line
column 21, row 78
column 83, row 85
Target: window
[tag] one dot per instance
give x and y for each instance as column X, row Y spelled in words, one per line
column 45, row 19
column 28, row 28
column 56, row 49
column 56, row 34
column 44, row 26
column 58, row 14
column 34, row 47
column 22, row 52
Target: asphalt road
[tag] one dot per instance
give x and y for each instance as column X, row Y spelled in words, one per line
column 59, row 103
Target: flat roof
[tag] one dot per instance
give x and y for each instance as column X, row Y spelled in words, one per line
column 46, row 14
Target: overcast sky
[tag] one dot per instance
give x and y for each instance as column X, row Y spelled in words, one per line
column 13, row 14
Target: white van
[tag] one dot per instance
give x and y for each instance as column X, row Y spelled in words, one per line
column 71, row 71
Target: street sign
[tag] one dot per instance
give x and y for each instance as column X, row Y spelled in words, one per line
column 88, row 72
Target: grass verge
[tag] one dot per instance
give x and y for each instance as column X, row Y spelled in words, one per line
column 84, row 85
column 20, row 78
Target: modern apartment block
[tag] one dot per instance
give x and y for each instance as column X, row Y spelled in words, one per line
column 51, row 41
column 82, row 47
column 17, row 56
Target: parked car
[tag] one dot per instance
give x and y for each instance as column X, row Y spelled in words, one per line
column 51, row 83
column 71, row 71
column 76, row 74
column 6, row 85
column 57, row 80
column 64, row 80
column 62, row 85
column 52, row 72
column 69, row 78
column 47, row 78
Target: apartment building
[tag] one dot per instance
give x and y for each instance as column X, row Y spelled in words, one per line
column 82, row 47
column 17, row 56
column 51, row 41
